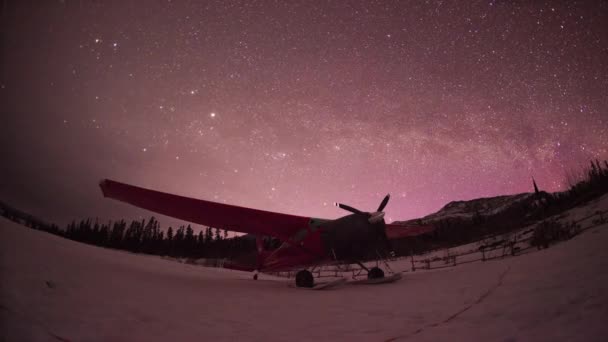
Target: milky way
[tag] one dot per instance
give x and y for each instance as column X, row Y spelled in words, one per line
column 290, row 106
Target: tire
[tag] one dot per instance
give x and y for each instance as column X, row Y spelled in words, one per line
column 375, row 273
column 304, row 279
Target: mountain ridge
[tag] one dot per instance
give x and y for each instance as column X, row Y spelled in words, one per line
column 468, row 209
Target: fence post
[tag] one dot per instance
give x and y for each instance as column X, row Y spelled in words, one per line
column 513, row 245
column 413, row 265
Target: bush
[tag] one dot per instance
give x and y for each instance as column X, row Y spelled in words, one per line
column 601, row 219
column 550, row 231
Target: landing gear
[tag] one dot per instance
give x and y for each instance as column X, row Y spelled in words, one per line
column 375, row 273
column 255, row 275
column 304, row 279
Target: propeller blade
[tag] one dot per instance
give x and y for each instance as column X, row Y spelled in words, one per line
column 348, row 208
column 384, row 202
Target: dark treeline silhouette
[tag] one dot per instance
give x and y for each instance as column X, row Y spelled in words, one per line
column 146, row 236
column 141, row 236
column 28, row 220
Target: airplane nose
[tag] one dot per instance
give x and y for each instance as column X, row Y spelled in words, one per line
column 376, row 217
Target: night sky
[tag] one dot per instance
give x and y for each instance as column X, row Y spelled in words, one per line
column 290, row 106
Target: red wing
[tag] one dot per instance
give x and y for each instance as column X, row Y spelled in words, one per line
column 216, row 215
column 397, row 231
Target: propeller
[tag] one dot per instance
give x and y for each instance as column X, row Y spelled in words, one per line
column 374, row 217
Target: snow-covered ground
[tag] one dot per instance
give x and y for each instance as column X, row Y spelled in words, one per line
column 54, row 289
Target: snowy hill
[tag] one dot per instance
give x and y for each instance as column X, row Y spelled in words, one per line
column 468, row 209
column 54, row 289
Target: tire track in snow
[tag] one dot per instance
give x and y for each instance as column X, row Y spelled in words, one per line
column 459, row 312
column 35, row 322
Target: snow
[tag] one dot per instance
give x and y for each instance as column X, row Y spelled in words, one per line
column 54, row 289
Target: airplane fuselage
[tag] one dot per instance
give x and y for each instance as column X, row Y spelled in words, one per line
column 347, row 239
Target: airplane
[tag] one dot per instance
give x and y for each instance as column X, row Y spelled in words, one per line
column 307, row 242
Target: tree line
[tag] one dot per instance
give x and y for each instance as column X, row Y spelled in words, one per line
column 146, row 236
column 143, row 236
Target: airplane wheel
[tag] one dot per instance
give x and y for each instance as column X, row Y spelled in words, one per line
column 375, row 273
column 304, row 279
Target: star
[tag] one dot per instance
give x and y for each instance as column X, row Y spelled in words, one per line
column 432, row 102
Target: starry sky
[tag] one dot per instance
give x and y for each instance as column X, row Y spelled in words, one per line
column 289, row 106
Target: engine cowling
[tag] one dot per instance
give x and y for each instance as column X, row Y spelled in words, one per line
column 354, row 237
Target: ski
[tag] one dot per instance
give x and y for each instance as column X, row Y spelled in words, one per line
column 329, row 284
column 389, row 279
column 324, row 285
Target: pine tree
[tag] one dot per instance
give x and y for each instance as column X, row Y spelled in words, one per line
column 147, row 239
column 117, row 234
column 593, row 172
column 104, row 234
column 179, row 241
column 200, row 244
column 189, row 242
column 169, row 243
column 208, row 235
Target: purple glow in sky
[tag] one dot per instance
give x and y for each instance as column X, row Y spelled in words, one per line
column 290, row 106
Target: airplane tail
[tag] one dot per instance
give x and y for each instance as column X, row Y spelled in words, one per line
column 260, row 256
column 261, row 252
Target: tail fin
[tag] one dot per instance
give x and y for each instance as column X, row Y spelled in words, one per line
column 250, row 265
column 261, row 252
column 259, row 243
